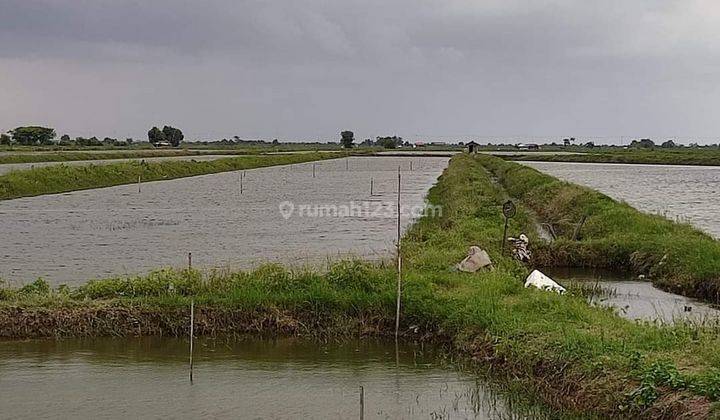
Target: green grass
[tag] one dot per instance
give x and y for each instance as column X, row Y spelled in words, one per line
column 675, row 256
column 66, row 156
column 582, row 358
column 63, row 178
column 675, row 156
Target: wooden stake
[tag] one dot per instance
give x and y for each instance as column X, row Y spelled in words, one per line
column 362, row 402
column 313, row 170
column 411, row 165
column 347, row 167
column 241, row 183
column 192, row 334
column 139, row 179
column 399, row 263
column 189, row 260
column 371, row 187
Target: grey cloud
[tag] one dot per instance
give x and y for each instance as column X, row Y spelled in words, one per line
column 307, row 68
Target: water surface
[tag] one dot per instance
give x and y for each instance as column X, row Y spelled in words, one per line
column 635, row 299
column 72, row 237
column 250, row 378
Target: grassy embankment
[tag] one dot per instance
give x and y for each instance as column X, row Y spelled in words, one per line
column 574, row 357
column 63, row 178
column 676, row 257
column 680, row 156
column 67, row 156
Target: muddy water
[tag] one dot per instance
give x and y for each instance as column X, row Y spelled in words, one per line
column 637, row 300
column 687, row 193
column 250, row 378
column 70, row 238
column 8, row 167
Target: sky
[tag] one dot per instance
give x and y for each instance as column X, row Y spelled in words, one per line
column 296, row 70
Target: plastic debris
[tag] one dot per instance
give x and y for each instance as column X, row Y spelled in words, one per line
column 520, row 249
column 543, row 282
column 477, row 258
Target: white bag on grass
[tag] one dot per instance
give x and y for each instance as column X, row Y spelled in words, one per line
column 543, row 282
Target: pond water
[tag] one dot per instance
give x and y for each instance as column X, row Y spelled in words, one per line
column 7, row 167
column 241, row 378
column 635, row 299
column 686, row 193
column 72, row 237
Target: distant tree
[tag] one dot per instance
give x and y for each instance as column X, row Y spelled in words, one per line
column 173, row 135
column 668, row 144
column 155, row 135
column 590, row 145
column 643, row 144
column 347, row 138
column 65, row 140
column 566, row 142
column 129, row 141
column 5, row 139
column 33, row 135
column 367, row 143
column 275, row 142
column 388, row 142
column 407, row 144
column 108, row 141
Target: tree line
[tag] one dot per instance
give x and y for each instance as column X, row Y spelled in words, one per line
column 46, row 136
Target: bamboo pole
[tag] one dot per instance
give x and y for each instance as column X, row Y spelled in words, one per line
column 362, row 402
column 189, row 260
column 313, row 170
column 399, row 262
column 139, row 180
column 192, row 334
column 371, row 186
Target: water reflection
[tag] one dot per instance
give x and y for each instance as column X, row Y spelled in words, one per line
column 249, row 378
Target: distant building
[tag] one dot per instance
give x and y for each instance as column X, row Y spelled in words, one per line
column 162, row 144
column 419, row 144
column 472, row 147
column 530, row 146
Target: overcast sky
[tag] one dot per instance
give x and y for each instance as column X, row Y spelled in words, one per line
column 306, row 69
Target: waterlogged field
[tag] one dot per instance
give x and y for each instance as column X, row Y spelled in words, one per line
column 685, row 193
column 72, row 237
column 249, row 378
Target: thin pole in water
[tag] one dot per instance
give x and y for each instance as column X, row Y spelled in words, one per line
column 347, row 167
column 371, row 187
column 362, row 402
column 313, row 170
column 192, row 334
column 399, row 263
column 242, row 175
column 411, row 165
column 139, row 179
column 189, row 260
